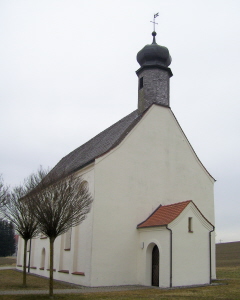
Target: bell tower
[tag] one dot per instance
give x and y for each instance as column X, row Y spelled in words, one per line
column 153, row 75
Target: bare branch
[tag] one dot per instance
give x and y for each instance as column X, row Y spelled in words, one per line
column 60, row 205
column 3, row 192
column 17, row 210
column 34, row 181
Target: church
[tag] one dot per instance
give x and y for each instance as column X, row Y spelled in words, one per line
column 152, row 218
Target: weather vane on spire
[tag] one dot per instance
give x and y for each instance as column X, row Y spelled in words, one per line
column 154, row 17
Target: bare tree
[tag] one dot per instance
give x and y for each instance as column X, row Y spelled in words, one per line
column 59, row 206
column 3, row 192
column 35, row 179
column 17, row 210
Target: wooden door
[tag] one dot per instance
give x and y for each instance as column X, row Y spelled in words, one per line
column 155, row 266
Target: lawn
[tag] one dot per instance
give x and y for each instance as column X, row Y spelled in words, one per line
column 227, row 286
column 8, row 261
column 12, row 280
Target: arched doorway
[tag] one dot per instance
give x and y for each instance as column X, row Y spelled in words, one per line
column 155, row 266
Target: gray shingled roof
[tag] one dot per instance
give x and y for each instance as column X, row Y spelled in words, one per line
column 100, row 144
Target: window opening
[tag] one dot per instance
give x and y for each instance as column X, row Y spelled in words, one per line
column 190, row 224
column 43, row 259
column 68, row 236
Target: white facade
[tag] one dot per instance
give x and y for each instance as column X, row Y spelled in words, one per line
column 154, row 164
column 187, row 255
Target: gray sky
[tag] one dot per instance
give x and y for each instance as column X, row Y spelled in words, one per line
column 67, row 72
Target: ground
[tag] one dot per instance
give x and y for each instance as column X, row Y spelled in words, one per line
column 226, row 287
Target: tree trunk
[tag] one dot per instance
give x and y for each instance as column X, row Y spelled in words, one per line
column 25, row 264
column 51, row 266
column 29, row 255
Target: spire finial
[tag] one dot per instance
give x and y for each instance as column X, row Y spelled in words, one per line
column 154, row 23
column 154, row 39
column 154, row 17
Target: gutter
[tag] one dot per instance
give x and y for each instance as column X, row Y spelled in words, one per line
column 170, row 254
column 210, row 255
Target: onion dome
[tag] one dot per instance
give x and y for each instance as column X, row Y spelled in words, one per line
column 154, row 54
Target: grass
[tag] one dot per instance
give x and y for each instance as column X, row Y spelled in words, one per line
column 228, row 273
column 228, row 254
column 8, row 261
column 12, row 280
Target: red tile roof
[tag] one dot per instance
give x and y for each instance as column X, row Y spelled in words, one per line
column 164, row 215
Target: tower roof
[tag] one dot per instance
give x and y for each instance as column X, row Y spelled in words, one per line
column 154, row 54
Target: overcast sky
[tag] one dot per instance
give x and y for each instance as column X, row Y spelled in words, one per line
column 67, row 72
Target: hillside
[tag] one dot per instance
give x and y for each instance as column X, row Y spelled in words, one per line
column 228, row 254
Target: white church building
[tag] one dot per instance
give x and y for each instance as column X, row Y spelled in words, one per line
column 152, row 218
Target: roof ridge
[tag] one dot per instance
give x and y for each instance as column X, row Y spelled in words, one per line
column 177, row 203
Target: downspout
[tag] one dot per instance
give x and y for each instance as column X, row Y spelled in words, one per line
column 170, row 255
column 210, row 254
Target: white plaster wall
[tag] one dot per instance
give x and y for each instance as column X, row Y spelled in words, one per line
column 36, row 249
column 37, row 254
column 213, row 251
column 153, row 165
column 81, row 252
column 33, row 241
column 19, row 252
column 159, row 236
column 37, row 246
column 191, row 257
column 82, row 247
column 66, row 256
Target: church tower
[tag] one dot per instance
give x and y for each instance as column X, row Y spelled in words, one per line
column 153, row 75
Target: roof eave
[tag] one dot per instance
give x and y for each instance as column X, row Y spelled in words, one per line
column 152, row 226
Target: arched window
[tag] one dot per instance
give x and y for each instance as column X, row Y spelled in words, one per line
column 43, row 255
column 67, row 243
column 84, row 184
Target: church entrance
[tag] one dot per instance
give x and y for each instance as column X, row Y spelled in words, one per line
column 155, row 266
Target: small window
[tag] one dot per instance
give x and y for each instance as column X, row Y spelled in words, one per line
column 140, row 83
column 190, row 224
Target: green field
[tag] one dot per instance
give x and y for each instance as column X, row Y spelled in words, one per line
column 228, row 254
column 226, row 287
